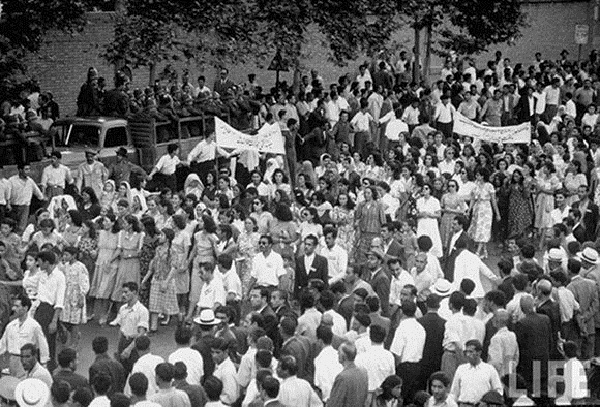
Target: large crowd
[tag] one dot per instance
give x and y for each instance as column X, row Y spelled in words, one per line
column 351, row 271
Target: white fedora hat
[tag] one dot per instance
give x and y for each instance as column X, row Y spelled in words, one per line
column 207, row 317
column 32, row 393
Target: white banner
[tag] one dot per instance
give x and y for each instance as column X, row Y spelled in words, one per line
column 268, row 139
column 520, row 134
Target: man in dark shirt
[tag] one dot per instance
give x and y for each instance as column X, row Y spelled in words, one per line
column 434, row 329
column 196, row 393
column 67, row 362
column 103, row 364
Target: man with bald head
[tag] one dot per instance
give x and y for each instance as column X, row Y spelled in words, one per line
column 336, row 341
column 503, row 352
column 534, row 339
column 546, row 306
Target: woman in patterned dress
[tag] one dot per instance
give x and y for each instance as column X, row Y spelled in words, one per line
column 547, row 184
column 131, row 240
column 146, row 255
column 163, row 297
column 78, row 284
column 520, row 213
column 483, row 200
column 72, row 231
column 106, row 267
column 452, row 205
column 180, row 247
column 247, row 249
column 343, row 217
column 204, row 249
column 368, row 219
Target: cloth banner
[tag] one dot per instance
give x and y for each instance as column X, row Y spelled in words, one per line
column 520, row 134
column 268, row 139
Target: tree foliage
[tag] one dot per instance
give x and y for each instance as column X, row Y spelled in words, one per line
column 23, row 26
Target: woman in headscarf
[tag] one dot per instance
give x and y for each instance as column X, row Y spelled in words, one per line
column 108, row 194
column 193, row 185
column 124, row 192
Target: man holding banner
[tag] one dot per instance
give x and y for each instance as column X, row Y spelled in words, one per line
column 203, row 158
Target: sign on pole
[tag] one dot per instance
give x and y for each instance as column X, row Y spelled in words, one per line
column 268, row 139
column 582, row 34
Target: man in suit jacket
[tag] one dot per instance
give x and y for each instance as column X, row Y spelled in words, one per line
column 383, row 78
column 391, row 248
column 552, row 310
column 434, row 336
column 460, row 224
column 374, row 305
column 296, row 346
column 525, row 108
column 351, row 385
column 378, row 279
column 534, row 339
column 223, row 84
column 590, row 213
column 586, row 294
column 310, row 266
column 259, row 301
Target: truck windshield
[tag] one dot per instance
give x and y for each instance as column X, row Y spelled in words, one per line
column 83, row 135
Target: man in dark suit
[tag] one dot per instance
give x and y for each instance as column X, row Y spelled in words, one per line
column 534, row 339
column 492, row 302
column 434, row 336
column 506, row 265
column 350, row 174
column 579, row 231
column 378, row 279
column 103, row 364
column 310, row 266
column 383, row 78
column 552, row 310
column 280, row 305
column 460, row 224
column 297, row 346
column 391, row 248
column 374, row 305
column 525, row 108
column 259, row 301
column 223, row 84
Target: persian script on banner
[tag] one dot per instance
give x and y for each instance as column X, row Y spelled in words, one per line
column 268, row 139
column 520, row 134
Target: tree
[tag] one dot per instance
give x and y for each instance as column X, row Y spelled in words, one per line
column 463, row 26
column 23, row 25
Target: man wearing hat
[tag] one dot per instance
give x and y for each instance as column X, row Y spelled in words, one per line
column 92, row 173
column 378, row 279
column 590, row 269
column 56, row 176
column 30, row 393
column 556, row 260
column 208, row 325
column 122, row 170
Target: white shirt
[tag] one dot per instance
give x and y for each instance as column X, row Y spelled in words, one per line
column 212, row 293
column 298, row 393
column 541, row 102
column 205, row 152
column 398, row 284
column 132, row 318
column 167, row 165
column 327, row 367
column 567, row 302
column 337, row 262
column 18, row 334
column 267, row 270
column 409, row 341
column 361, row 122
column 411, row 115
column 469, row 265
column 570, row 108
column 447, row 167
column 444, row 113
column 514, row 307
column 456, row 331
column 146, row 365
column 472, row 382
column 475, row 328
column 576, row 384
column 52, row 287
column 339, row 327
column 100, row 401
column 379, row 364
column 232, row 283
column 503, row 352
column 56, row 176
column 192, row 359
column 227, row 374
column 395, row 126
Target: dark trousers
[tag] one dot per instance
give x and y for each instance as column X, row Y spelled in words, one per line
column 20, row 215
column 204, row 168
column 43, row 315
column 161, row 181
column 409, row 373
column 127, row 363
column 361, row 139
column 445, row 128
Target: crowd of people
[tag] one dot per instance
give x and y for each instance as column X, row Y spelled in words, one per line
column 352, row 271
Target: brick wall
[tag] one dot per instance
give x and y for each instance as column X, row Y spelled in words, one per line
column 62, row 63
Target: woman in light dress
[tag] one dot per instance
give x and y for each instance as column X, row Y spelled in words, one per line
column 547, row 184
column 452, row 204
column 129, row 247
column 483, row 201
column 343, row 217
column 429, row 211
column 78, row 284
column 247, row 248
column 180, row 246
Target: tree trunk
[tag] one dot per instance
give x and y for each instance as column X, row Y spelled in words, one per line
column 416, row 64
column 427, row 64
column 152, row 76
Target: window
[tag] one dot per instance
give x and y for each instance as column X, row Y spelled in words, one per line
column 83, row 135
column 116, row 137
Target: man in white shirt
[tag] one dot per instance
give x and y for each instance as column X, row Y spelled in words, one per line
column 475, row 378
column 444, row 116
column 21, row 188
column 164, row 170
column 267, row 266
column 327, row 365
column 337, row 257
column 468, row 265
column 363, row 76
column 202, row 157
column 327, row 301
column 225, row 370
column 168, row 395
column 575, row 377
column 503, row 352
column 212, row 293
column 454, row 335
column 190, row 357
column 56, row 176
column 407, row 346
column 400, row 278
column 92, row 173
column 146, row 364
column 293, row 390
column 377, row 361
column 21, row 330
column 522, row 287
column 361, row 124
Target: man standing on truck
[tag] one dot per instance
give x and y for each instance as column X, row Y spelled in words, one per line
column 55, row 176
column 92, row 173
column 122, row 170
column 22, row 187
column 163, row 172
column 202, row 159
